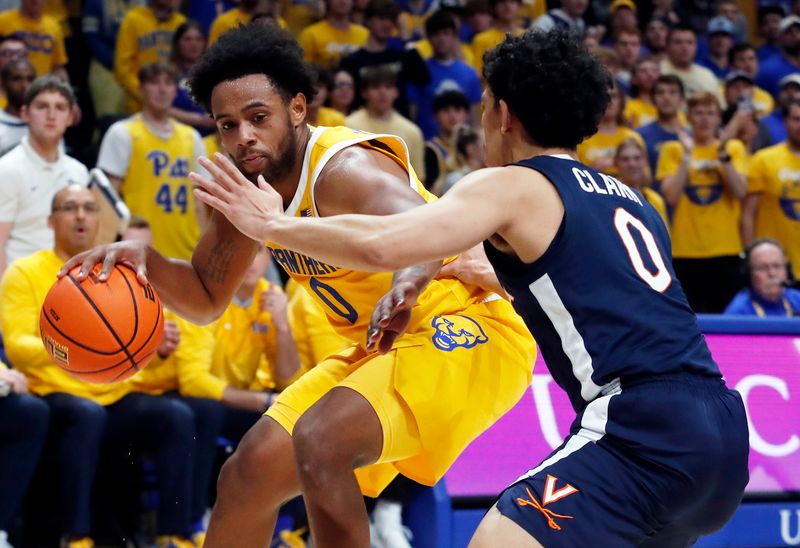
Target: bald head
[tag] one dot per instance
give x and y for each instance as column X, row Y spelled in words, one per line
column 74, row 219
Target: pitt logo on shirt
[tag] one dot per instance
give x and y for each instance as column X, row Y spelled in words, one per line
column 457, row 331
column 160, row 162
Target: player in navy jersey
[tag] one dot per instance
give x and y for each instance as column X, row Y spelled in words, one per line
column 657, row 455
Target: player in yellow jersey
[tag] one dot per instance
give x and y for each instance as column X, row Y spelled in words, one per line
column 148, row 158
column 451, row 362
column 772, row 205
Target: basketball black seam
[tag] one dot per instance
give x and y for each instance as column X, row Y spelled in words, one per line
column 102, row 317
column 135, row 308
column 95, row 351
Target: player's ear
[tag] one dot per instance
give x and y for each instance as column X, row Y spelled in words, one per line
column 298, row 109
column 505, row 117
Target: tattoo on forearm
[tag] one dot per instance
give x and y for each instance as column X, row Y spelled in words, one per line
column 219, row 261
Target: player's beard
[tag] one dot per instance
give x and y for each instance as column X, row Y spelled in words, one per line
column 280, row 165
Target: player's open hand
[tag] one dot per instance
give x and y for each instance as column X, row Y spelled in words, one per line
column 391, row 316
column 247, row 206
column 130, row 252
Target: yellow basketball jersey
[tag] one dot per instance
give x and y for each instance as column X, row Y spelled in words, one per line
column 347, row 296
column 157, row 186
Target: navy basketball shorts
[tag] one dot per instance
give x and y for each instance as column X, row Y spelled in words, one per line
column 657, row 462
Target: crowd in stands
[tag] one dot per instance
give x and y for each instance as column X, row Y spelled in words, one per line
column 704, row 121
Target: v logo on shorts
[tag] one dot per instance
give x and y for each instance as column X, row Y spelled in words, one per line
column 550, row 495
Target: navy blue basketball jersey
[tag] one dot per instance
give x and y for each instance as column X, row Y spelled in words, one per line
column 603, row 301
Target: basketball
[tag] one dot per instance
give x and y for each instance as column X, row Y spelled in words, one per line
column 101, row 332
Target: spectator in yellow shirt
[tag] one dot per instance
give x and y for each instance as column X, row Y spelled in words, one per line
column 145, row 36
column 240, row 15
column 40, row 33
column 703, row 179
column 327, row 41
column 631, row 163
column 772, row 206
column 639, row 108
column 506, row 21
column 182, row 370
column 598, row 150
column 81, row 412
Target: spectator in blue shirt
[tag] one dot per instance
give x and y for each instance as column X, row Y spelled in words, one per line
column 720, row 41
column 100, row 22
column 668, row 97
column 789, row 91
column 769, row 21
column 788, row 59
column 447, row 73
column 767, row 293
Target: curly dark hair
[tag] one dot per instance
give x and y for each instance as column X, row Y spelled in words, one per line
column 551, row 83
column 253, row 49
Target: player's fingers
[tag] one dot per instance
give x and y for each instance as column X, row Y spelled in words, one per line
column 227, row 167
column 211, row 186
column 220, row 177
column 373, row 336
column 387, row 341
column 108, row 265
column 211, row 201
column 89, row 260
column 71, row 263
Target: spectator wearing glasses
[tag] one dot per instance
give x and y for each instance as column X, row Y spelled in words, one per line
column 33, row 171
column 767, row 275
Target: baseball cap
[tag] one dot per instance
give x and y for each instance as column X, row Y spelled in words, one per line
column 738, row 75
column 617, row 4
column 788, row 21
column 720, row 25
column 793, row 78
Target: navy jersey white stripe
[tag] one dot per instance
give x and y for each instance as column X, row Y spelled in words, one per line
column 603, row 301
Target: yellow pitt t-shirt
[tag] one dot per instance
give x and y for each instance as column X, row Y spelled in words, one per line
column 325, row 45
column 640, row 113
column 604, row 146
column 187, row 370
column 347, row 296
column 43, row 39
column 22, row 291
column 157, row 186
column 706, row 219
column 775, row 175
column 245, row 345
column 142, row 39
column 313, row 334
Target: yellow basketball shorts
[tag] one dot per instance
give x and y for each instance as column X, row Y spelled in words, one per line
column 442, row 384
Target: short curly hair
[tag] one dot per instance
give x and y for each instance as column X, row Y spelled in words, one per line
column 551, row 83
column 253, row 49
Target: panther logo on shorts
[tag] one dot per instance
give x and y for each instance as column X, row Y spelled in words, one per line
column 457, row 331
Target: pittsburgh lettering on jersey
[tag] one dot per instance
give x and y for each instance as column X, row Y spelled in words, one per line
column 611, row 186
column 296, row 263
column 161, row 162
column 34, row 41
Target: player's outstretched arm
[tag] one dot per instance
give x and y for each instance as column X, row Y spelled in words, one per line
column 479, row 206
column 198, row 291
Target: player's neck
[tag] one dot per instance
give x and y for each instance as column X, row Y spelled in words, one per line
column 522, row 150
column 287, row 186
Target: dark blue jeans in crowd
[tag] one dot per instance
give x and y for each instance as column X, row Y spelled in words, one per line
column 208, row 415
column 164, row 427
column 74, row 441
column 23, row 431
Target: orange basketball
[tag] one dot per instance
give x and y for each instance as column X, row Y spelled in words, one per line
column 101, row 332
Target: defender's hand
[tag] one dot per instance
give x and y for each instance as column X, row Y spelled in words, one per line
column 247, row 206
column 391, row 316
